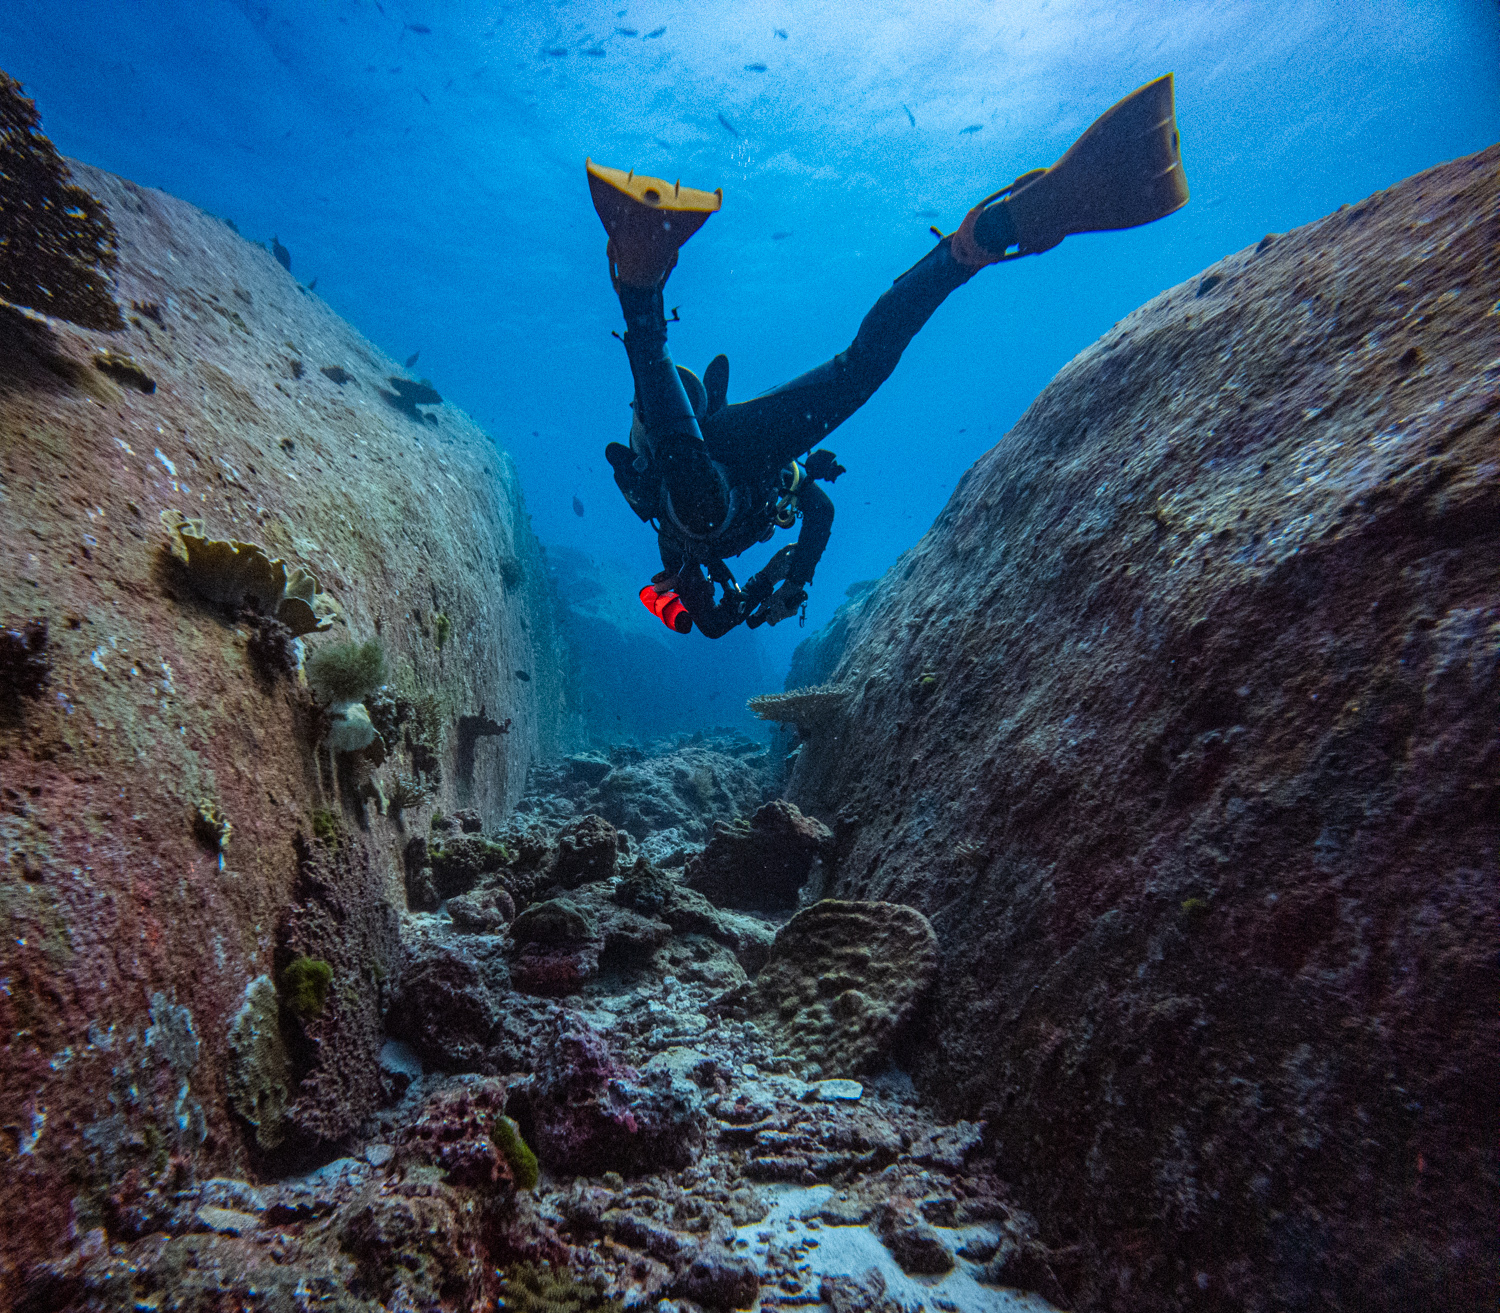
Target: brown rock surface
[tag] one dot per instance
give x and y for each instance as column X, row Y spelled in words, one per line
column 129, row 946
column 1183, row 727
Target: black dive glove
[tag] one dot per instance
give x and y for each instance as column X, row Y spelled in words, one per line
column 781, row 605
column 823, row 465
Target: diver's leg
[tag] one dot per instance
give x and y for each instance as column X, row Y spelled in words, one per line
column 662, row 403
column 1125, row 170
column 779, row 425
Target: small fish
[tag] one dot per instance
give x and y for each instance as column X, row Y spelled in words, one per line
column 595, row 52
column 421, row 29
column 912, row 117
column 556, row 52
column 729, row 127
column 313, row 286
column 524, row 676
column 780, row 237
column 925, row 214
column 397, row 69
column 627, row 31
column 652, row 35
column 755, row 68
column 423, row 94
column 412, row 359
column 577, row 506
column 283, row 256
column 380, row 7
column 781, row 32
column 971, row 130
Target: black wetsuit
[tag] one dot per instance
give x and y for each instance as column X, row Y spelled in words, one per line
column 754, row 441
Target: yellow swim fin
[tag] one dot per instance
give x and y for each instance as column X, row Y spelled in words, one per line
column 1124, row 171
column 647, row 219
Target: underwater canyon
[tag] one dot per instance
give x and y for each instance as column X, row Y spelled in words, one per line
column 1110, row 924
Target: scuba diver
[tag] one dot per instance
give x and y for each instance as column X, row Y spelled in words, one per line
column 716, row 478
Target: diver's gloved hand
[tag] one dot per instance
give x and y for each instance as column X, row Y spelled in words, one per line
column 823, row 465
column 783, row 603
column 759, row 585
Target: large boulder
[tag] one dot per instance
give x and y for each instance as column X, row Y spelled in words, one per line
column 1182, row 725
column 445, row 1008
column 586, row 851
column 158, row 786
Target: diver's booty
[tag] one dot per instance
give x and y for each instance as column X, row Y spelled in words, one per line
column 1124, row 171
column 647, row 219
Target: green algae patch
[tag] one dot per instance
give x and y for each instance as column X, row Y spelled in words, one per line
column 326, row 827
column 346, row 672
column 304, row 986
column 523, row 1165
column 532, row 1289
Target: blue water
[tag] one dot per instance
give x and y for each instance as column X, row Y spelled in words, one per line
column 433, row 183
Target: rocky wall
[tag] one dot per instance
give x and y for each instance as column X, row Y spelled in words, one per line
column 146, row 724
column 1182, row 725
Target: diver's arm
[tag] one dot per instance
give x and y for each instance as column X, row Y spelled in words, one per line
column 817, row 523
column 662, row 403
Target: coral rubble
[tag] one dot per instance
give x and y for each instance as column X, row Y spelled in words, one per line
column 57, row 242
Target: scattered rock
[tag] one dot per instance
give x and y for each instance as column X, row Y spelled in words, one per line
column 584, row 1111
column 226, row 1221
column 914, row 1244
column 459, row 861
column 413, row 1252
column 718, row 1279
column 586, row 850
column 863, row 1294
column 487, row 910
column 443, row 1009
column 455, row 1131
column 759, row 866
